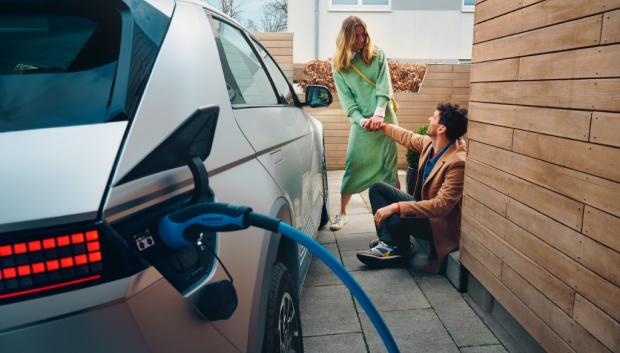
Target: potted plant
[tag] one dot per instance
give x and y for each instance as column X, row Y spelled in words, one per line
column 413, row 159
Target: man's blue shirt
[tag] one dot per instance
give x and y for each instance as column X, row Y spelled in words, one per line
column 430, row 162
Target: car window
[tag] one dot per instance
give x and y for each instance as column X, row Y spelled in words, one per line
column 246, row 81
column 284, row 90
column 62, row 64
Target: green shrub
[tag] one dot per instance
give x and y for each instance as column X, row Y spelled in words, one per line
column 413, row 157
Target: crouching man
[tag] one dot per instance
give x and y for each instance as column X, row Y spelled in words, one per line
column 433, row 212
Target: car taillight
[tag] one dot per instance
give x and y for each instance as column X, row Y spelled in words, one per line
column 37, row 264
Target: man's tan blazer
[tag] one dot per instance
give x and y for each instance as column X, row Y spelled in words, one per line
column 442, row 194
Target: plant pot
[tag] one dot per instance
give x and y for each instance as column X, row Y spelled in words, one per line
column 412, row 176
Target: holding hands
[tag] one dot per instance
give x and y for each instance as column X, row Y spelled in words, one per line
column 375, row 123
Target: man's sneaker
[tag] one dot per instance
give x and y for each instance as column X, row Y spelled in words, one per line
column 381, row 255
column 338, row 222
column 373, row 243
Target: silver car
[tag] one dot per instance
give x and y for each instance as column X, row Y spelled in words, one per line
column 99, row 102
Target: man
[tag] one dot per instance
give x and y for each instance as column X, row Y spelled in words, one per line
column 434, row 211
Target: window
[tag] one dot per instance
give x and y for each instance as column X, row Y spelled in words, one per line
column 360, row 5
column 468, row 5
column 284, row 89
column 64, row 64
column 246, row 81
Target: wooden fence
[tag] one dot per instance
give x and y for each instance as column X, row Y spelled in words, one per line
column 442, row 83
column 541, row 218
column 280, row 46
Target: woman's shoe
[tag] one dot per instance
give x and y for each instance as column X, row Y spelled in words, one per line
column 339, row 221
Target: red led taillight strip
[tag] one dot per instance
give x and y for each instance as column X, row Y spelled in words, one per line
column 33, row 266
column 44, row 288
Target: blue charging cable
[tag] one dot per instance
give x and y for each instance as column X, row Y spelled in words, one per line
column 179, row 229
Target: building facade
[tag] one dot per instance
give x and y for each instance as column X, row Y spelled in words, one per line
column 426, row 31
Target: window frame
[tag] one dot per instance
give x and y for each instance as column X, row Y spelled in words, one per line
column 255, row 41
column 360, row 7
column 214, row 17
column 467, row 8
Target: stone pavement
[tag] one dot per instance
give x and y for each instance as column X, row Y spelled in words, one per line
column 424, row 312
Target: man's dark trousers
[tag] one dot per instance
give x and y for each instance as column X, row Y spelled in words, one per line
column 396, row 230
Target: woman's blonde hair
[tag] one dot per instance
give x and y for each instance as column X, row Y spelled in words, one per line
column 346, row 37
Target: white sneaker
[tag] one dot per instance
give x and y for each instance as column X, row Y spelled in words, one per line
column 338, row 222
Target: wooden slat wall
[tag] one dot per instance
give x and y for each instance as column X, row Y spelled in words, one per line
column 541, row 216
column 442, row 83
column 280, row 46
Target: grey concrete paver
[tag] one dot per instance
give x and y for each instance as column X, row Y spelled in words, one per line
column 391, row 289
column 319, row 274
column 358, row 241
column 484, row 349
column 415, row 331
column 462, row 323
column 326, row 236
column 328, row 310
column 343, row 343
column 424, row 312
column 358, row 223
column 350, row 261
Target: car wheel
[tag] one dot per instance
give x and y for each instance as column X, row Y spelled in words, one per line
column 283, row 331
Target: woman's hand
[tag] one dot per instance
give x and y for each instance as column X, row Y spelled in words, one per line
column 375, row 123
column 385, row 212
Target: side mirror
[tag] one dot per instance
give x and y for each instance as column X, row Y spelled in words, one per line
column 318, row 96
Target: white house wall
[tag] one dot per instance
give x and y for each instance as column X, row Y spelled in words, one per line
column 425, row 31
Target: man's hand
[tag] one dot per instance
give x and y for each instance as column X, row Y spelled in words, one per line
column 385, row 212
column 374, row 123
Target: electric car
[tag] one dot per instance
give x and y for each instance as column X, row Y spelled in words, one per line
column 115, row 113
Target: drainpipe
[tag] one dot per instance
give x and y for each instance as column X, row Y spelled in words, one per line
column 316, row 29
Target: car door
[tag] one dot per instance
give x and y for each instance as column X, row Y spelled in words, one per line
column 264, row 107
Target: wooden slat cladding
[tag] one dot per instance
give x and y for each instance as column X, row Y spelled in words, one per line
column 579, row 186
column 611, row 27
column 582, row 63
column 540, row 15
column 280, row 46
column 561, row 208
column 546, row 203
column 569, row 35
column 601, row 94
column 605, row 129
column 442, row 83
column 545, row 336
column 571, row 124
column 597, row 322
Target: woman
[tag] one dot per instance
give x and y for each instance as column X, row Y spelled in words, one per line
column 363, row 83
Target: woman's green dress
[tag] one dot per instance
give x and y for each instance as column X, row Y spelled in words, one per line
column 371, row 156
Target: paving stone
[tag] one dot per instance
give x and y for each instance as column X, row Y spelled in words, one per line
column 350, row 261
column 344, row 343
column 464, row 325
column 361, row 223
column 319, row 274
column 326, row 236
column 328, row 310
column 358, row 241
column 415, row 331
column 391, row 289
column 496, row 348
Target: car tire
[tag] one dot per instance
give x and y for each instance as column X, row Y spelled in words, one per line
column 283, row 330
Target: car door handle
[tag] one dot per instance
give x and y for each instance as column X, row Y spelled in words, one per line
column 277, row 156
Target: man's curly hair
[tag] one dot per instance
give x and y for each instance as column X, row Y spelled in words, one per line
column 454, row 119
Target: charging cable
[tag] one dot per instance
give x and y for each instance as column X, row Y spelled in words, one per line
column 175, row 229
